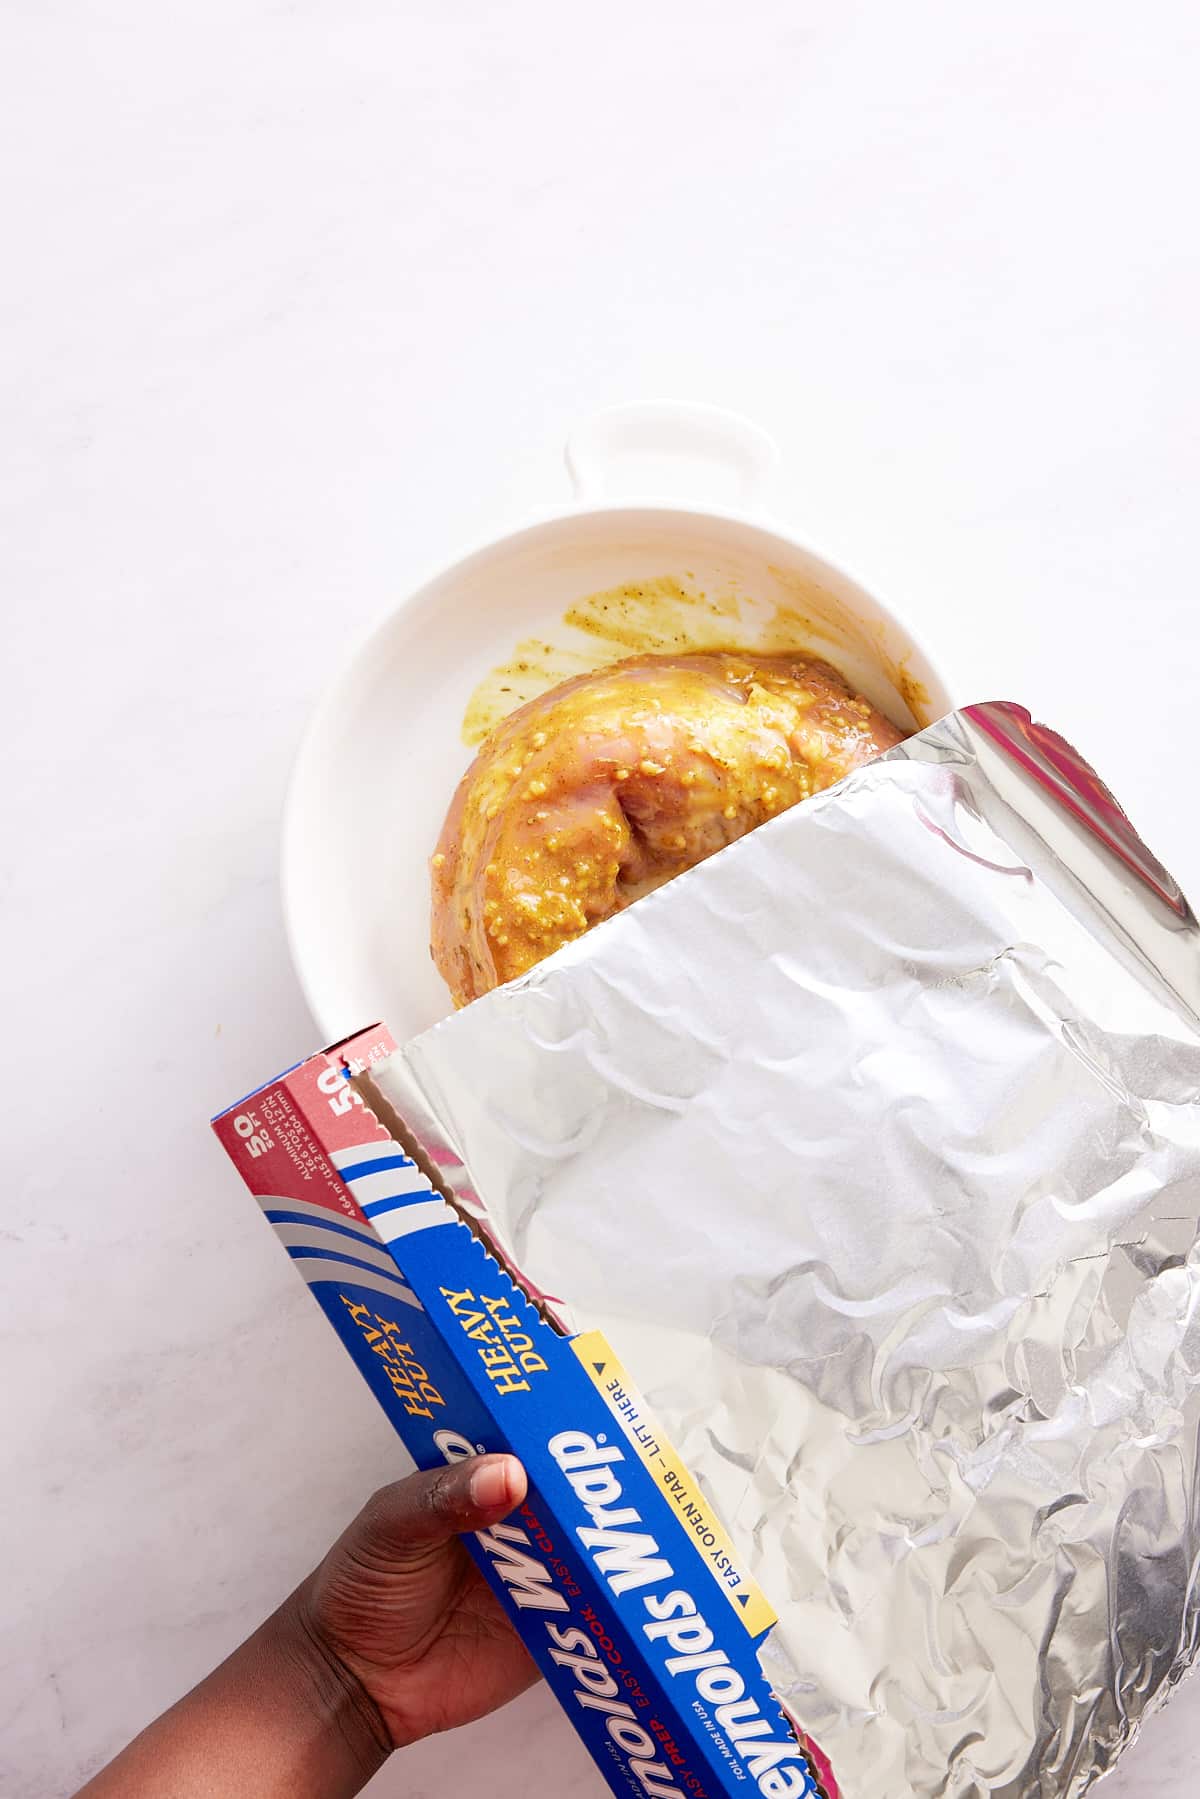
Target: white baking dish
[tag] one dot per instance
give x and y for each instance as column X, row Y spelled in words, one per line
column 385, row 749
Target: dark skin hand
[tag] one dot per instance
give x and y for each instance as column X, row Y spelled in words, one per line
column 394, row 1636
column 400, row 1604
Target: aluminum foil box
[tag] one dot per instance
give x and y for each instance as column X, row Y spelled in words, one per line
column 873, row 1144
column 616, row 1573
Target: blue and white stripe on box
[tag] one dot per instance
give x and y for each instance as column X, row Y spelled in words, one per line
column 390, row 1189
column 327, row 1248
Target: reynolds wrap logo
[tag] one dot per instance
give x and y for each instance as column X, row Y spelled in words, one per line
column 684, row 1645
column 631, row 1560
column 571, row 1647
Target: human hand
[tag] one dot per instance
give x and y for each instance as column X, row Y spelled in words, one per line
column 395, row 1635
column 400, row 1611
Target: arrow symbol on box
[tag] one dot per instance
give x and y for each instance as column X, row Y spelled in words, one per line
column 599, row 1367
column 743, row 1598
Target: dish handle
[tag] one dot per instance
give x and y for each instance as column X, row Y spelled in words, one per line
column 670, row 451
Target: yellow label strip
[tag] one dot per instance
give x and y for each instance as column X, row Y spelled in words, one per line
column 641, row 1430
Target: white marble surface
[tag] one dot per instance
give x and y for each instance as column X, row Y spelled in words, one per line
column 298, row 296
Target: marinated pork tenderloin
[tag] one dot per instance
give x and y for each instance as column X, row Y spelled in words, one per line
column 609, row 785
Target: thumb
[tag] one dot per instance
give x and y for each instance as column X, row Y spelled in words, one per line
column 436, row 1504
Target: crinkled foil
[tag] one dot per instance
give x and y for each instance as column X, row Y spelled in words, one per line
column 874, row 1146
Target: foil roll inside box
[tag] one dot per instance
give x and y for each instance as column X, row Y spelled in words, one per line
column 873, row 1145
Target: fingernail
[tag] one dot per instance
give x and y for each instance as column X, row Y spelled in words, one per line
column 490, row 1484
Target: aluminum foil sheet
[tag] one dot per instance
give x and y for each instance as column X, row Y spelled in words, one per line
column 873, row 1144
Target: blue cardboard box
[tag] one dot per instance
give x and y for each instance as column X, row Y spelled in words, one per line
column 616, row 1573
